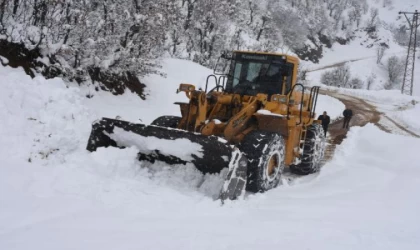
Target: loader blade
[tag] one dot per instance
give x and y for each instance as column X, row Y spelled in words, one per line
column 235, row 182
column 209, row 154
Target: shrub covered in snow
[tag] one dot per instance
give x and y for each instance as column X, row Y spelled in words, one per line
column 395, row 69
column 339, row 77
column 356, row 83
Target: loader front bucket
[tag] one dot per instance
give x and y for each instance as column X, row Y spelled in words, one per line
column 209, row 154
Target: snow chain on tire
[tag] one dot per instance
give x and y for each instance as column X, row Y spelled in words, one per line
column 265, row 152
column 313, row 151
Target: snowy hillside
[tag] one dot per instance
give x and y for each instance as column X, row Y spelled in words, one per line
column 361, row 57
column 361, row 53
column 56, row 195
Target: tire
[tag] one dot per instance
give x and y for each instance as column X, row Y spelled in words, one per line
column 313, row 151
column 167, row 121
column 265, row 152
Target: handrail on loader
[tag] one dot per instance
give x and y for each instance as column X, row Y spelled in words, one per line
column 313, row 99
column 218, row 81
column 301, row 102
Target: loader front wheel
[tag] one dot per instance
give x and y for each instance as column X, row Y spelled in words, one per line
column 265, row 152
column 167, row 121
column 313, row 151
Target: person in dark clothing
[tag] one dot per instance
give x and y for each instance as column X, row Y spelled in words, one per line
column 347, row 113
column 325, row 119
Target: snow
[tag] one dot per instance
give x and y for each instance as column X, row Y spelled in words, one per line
column 56, row 195
column 181, row 148
column 332, row 106
column 409, row 115
column 268, row 112
column 4, row 60
column 216, row 121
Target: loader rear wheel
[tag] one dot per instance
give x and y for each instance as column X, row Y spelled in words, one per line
column 313, row 151
column 265, row 152
column 167, row 121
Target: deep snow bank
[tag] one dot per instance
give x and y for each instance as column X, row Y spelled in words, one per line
column 409, row 116
column 39, row 117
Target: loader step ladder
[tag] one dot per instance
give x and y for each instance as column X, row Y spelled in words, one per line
column 302, row 139
column 313, row 99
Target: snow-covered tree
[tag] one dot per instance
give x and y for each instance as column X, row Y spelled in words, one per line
column 380, row 52
column 119, row 36
column 356, row 83
column 339, row 77
column 370, row 81
column 395, row 69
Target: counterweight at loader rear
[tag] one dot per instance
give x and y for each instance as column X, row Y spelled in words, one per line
column 255, row 122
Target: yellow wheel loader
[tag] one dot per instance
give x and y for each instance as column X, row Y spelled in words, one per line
column 256, row 121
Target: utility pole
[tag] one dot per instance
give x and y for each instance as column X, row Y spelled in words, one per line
column 407, row 85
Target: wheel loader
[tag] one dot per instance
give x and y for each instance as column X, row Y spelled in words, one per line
column 256, row 121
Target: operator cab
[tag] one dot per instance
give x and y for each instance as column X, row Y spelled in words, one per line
column 252, row 73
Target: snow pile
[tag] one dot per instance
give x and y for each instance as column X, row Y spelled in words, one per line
column 409, row 115
column 182, row 148
column 268, row 112
column 39, row 117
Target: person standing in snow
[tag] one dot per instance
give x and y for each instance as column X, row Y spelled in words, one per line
column 347, row 113
column 325, row 119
